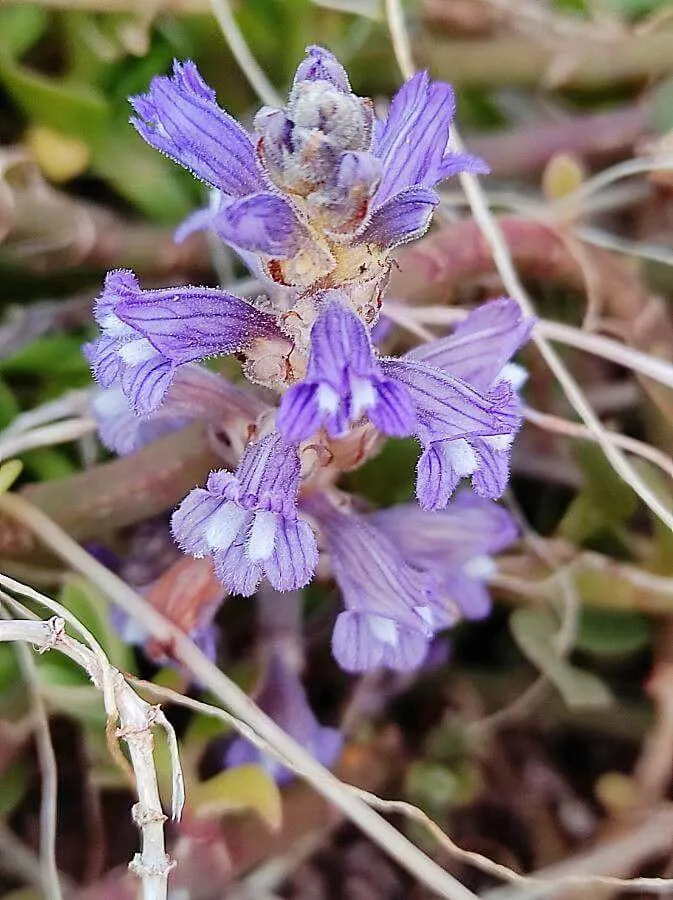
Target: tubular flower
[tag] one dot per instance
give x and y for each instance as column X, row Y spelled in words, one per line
column 248, row 522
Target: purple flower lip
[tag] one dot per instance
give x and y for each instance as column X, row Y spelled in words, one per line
column 248, row 522
column 388, row 619
column 478, row 351
column 147, row 335
column 343, row 382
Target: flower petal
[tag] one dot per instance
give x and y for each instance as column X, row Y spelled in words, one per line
column 368, row 569
column 190, row 323
column 353, row 645
column 482, row 344
column 189, row 522
column 261, row 223
column 321, row 65
column 121, row 430
column 470, row 594
column 147, row 384
column 437, row 475
column 104, row 359
column 492, row 475
column 411, row 144
column 237, row 572
column 299, row 415
column 295, row 555
column 447, row 407
column 470, row 527
column 404, row 217
column 393, row 412
column 409, row 653
column 179, row 117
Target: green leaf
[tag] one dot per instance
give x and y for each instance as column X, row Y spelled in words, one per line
column 81, row 702
column 238, row 789
column 612, row 635
column 65, row 106
column 20, row 28
column 9, row 405
column 48, row 463
column 661, row 116
column 434, row 787
column 57, row 670
column 634, row 8
column 10, row 672
column 57, row 354
column 143, row 177
column 534, row 631
column 9, row 472
column 91, row 608
column 604, row 502
column 14, row 783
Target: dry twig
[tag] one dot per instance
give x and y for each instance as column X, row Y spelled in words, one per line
column 136, row 719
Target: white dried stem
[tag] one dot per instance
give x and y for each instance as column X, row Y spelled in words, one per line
column 557, row 425
column 70, row 405
column 137, row 719
column 51, row 883
column 46, row 436
column 241, row 53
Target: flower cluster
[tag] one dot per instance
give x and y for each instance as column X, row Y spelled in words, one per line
column 314, row 200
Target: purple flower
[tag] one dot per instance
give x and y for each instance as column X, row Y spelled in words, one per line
column 196, row 394
column 147, row 335
column 317, row 171
column 388, row 620
column 248, row 522
column 454, row 547
column 120, row 430
column 343, row 382
column 281, row 696
column 180, row 117
column 478, row 352
column 411, row 146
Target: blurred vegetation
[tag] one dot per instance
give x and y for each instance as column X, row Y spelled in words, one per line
column 80, row 192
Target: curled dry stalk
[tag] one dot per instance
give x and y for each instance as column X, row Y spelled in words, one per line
column 130, row 718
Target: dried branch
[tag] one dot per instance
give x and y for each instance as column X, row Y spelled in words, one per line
column 51, row 883
column 526, row 149
column 121, row 492
column 46, row 229
column 136, row 719
column 523, row 61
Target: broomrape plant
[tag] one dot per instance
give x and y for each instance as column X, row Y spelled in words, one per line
column 315, row 200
